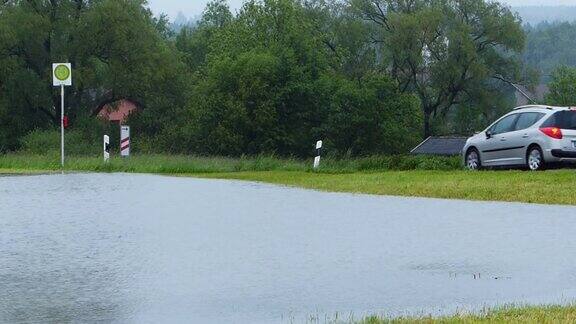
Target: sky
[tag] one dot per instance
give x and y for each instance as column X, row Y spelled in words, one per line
column 192, row 8
column 189, row 8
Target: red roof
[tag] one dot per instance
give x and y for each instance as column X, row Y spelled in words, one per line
column 118, row 111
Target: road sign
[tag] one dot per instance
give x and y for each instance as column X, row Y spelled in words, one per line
column 61, row 77
column 62, row 74
column 125, row 141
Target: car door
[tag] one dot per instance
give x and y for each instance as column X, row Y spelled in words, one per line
column 519, row 138
column 497, row 147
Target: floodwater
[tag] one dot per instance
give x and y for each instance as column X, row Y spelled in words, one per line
column 150, row 249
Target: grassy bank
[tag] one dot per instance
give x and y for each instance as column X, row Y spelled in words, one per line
column 400, row 176
column 178, row 164
column 554, row 187
column 547, row 314
column 158, row 164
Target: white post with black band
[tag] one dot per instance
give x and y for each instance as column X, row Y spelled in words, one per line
column 318, row 154
column 106, row 148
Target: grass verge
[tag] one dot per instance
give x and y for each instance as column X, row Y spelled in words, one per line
column 554, row 187
column 428, row 177
column 178, row 164
column 543, row 314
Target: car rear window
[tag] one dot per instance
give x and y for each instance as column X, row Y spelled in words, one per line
column 562, row 120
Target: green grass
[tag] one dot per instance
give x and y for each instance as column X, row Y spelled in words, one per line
column 554, row 187
column 157, row 164
column 544, row 314
column 178, row 164
column 427, row 177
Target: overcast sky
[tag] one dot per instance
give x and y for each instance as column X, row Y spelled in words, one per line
column 191, row 8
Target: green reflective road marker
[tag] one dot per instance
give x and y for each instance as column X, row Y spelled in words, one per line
column 62, row 72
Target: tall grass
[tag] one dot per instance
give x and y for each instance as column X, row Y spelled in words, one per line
column 537, row 314
column 180, row 164
column 391, row 163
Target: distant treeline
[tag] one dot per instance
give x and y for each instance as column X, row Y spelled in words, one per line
column 550, row 45
column 531, row 15
column 365, row 76
column 534, row 15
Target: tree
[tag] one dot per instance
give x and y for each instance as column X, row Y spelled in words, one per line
column 346, row 38
column 32, row 36
column 117, row 50
column 276, row 80
column 254, row 94
column 194, row 41
column 368, row 117
column 445, row 50
column 562, row 87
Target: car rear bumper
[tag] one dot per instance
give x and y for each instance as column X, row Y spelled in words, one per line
column 561, row 154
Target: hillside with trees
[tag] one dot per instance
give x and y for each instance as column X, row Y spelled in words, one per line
column 534, row 15
column 550, row 45
column 367, row 77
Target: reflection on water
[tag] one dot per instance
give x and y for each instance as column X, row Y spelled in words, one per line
column 148, row 249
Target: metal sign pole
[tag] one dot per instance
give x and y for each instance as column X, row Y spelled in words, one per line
column 62, row 123
column 61, row 77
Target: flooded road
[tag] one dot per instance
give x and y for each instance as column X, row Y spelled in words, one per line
column 150, row 249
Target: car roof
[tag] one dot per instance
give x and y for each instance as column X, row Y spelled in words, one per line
column 553, row 108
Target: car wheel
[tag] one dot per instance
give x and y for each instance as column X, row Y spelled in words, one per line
column 473, row 162
column 535, row 159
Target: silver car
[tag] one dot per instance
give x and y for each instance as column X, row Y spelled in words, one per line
column 529, row 136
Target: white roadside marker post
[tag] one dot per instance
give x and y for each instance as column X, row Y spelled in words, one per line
column 318, row 154
column 61, row 77
column 106, row 148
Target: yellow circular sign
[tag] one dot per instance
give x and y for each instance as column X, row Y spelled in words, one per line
column 62, row 72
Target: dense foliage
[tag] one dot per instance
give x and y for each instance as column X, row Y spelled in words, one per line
column 115, row 47
column 550, row 45
column 447, row 52
column 367, row 77
column 562, row 87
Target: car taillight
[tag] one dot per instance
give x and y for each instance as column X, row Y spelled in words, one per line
column 553, row 132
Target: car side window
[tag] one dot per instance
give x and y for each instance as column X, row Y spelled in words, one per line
column 505, row 125
column 526, row 120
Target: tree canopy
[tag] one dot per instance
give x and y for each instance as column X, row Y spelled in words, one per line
column 550, row 45
column 562, row 87
column 115, row 48
column 366, row 77
column 445, row 51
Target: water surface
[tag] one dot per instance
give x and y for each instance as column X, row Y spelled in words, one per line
column 149, row 249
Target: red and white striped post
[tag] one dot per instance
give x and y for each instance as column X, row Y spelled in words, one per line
column 125, row 141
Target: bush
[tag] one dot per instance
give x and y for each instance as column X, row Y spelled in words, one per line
column 41, row 142
column 84, row 138
column 47, row 142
